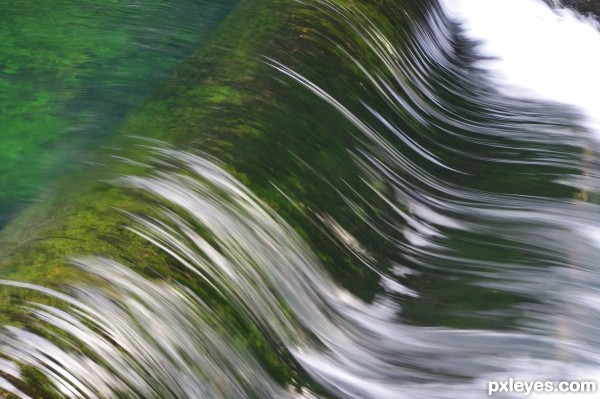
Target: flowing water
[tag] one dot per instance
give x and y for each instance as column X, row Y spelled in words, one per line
column 332, row 200
column 70, row 70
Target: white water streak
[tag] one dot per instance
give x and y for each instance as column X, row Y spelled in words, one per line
column 159, row 338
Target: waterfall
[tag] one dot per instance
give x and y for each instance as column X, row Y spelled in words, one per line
column 450, row 158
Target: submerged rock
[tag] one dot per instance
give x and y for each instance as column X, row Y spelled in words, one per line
column 584, row 6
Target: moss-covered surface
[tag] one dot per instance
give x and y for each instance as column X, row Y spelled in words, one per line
column 221, row 101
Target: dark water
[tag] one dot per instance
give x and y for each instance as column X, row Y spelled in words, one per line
column 71, row 70
column 330, row 200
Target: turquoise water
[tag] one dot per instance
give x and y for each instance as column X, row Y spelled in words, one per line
column 71, row 70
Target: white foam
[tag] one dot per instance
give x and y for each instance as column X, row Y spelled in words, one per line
column 538, row 52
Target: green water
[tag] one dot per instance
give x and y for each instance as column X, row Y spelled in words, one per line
column 69, row 72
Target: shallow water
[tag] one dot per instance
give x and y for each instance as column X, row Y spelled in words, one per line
column 379, row 201
column 71, row 70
